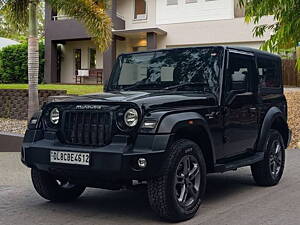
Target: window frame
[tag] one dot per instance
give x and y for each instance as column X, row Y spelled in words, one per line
column 117, row 69
column 264, row 89
column 229, row 94
column 134, row 12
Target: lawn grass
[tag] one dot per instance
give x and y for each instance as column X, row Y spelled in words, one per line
column 71, row 89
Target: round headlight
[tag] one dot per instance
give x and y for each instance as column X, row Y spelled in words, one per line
column 131, row 117
column 54, row 116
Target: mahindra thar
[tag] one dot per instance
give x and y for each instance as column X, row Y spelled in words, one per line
column 167, row 118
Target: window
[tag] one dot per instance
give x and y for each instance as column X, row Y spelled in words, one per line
column 172, row 2
column 239, row 69
column 92, row 58
column 162, row 69
column 140, row 10
column 268, row 71
column 191, row 1
column 77, row 58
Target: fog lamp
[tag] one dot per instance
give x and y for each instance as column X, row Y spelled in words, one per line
column 142, row 163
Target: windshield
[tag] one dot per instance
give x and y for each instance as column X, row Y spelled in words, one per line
column 169, row 69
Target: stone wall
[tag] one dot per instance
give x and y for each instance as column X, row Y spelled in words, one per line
column 14, row 102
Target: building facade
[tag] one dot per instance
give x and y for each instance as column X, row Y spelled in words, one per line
column 140, row 25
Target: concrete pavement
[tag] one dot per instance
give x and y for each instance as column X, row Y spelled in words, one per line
column 232, row 199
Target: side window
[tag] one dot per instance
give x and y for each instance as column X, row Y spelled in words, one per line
column 240, row 68
column 268, row 71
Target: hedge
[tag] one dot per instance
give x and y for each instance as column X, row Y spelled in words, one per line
column 13, row 63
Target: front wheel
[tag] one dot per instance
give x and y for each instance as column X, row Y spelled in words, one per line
column 52, row 189
column 178, row 193
column 269, row 171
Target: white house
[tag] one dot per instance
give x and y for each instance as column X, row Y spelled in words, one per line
column 145, row 24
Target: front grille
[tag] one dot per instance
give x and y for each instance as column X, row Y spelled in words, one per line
column 92, row 128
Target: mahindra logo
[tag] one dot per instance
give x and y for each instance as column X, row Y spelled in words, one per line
column 86, row 107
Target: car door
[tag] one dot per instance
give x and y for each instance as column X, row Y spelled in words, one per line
column 240, row 104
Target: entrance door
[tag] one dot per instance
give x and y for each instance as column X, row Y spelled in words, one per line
column 240, row 112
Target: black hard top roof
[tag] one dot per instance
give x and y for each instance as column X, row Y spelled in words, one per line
column 237, row 48
column 253, row 50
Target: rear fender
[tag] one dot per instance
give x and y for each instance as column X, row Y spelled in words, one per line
column 272, row 115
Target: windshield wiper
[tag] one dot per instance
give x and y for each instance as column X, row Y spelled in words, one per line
column 138, row 84
column 202, row 84
column 141, row 84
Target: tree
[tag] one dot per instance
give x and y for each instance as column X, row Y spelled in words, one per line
column 285, row 29
column 9, row 31
column 23, row 15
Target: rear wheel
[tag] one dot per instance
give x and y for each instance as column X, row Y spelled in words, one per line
column 178, row 193
column 269, row 171
column 52, row 189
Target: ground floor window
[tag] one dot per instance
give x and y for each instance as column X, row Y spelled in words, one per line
column 92, row 58
column 77, row 59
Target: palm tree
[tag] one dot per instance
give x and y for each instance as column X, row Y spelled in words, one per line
column 22, row 14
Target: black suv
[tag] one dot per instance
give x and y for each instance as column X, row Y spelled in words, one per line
column 167, row 119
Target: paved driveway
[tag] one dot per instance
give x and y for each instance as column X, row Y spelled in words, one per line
column 232, row 199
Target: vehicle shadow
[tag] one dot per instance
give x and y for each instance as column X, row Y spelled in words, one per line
column 229, row 183
column 132, row 205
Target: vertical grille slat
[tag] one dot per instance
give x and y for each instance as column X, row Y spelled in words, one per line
column 87, row 128
column 76, row 127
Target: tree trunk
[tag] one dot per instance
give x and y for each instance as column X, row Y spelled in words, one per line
column 33, row 60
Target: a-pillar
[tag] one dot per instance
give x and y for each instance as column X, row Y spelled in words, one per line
column 109, row 58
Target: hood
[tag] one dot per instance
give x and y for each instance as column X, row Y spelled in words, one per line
column 150, row 99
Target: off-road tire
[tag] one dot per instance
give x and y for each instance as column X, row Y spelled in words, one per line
column 47, row 187
column 261, row 171
column 161, row 191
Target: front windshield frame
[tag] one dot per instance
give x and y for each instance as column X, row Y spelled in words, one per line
column 114, row 84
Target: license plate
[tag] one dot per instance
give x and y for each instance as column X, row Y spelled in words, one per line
column 74, row 158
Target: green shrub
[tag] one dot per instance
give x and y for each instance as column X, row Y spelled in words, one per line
column 13, row 63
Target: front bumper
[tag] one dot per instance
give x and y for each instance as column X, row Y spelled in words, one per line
column 116, row 161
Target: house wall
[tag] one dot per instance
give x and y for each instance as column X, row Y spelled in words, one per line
column 202, row 23
column 126, row 10
column 200, row 10
column 228, row 32
column 255, row 45
column 68, row 63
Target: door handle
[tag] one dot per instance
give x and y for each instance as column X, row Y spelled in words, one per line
column 252, row 110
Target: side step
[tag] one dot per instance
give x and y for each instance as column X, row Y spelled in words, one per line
column 233, row 165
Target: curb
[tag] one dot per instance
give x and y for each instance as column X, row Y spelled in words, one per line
column 10, row 142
